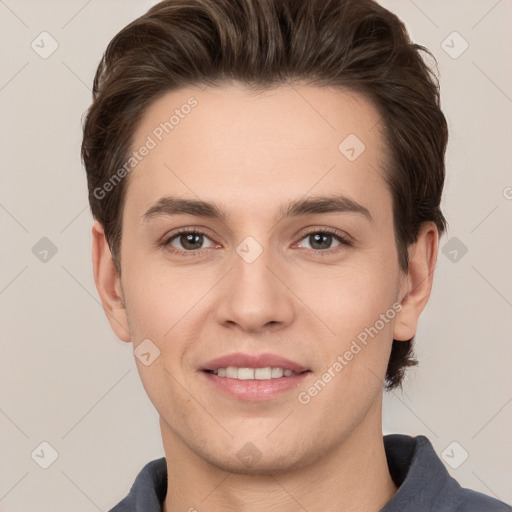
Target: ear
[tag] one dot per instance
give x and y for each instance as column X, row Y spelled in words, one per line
column 108, row 283
column 417, row 283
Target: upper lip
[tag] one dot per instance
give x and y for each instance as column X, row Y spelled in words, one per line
column 241, row 360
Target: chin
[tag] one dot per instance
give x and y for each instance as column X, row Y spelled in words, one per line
column 249, row 460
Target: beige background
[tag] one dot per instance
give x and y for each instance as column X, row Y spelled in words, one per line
column 66, row 380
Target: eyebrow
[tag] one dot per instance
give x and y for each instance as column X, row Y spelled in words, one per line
column 170, row 205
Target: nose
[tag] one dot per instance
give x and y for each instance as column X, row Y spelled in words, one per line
column 255, row 296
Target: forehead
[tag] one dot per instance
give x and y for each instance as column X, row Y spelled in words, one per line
column 245, row 148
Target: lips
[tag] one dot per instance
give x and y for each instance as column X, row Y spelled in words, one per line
column 254, row 378
column 240, row 360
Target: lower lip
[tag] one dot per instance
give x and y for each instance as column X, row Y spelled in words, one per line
column 254, row 390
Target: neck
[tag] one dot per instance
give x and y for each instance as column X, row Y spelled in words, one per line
column 353, row 477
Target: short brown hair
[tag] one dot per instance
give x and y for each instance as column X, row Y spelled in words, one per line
column 353, row 44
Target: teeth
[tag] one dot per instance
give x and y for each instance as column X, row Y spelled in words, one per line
column 232, row 372
column 276, row 373
column 266, row 373
column 245, row 373
column 263, row 373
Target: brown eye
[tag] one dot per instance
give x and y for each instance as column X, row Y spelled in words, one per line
column 191, row 241
column 188, row 241
column 322, row 240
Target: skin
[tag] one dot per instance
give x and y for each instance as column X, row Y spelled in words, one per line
column 251, row 153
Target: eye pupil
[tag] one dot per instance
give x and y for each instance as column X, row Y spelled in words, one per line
column 191, row 240
column 323, row 240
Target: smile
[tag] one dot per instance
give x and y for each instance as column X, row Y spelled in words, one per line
column 265, row 373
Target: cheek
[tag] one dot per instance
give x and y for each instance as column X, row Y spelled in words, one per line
column 160, row 299
column 351, row 297
column 356, row 303
column 359, row 309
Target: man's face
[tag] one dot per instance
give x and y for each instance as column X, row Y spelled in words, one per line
column 262, row 287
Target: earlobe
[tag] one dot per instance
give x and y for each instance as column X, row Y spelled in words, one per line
column 108, row 283
column 417, row 284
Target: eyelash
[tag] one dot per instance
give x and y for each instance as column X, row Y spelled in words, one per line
column 344, row 242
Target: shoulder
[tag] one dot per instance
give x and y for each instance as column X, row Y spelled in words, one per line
column 148, row 491
column 467, row 500
column 424, row 483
